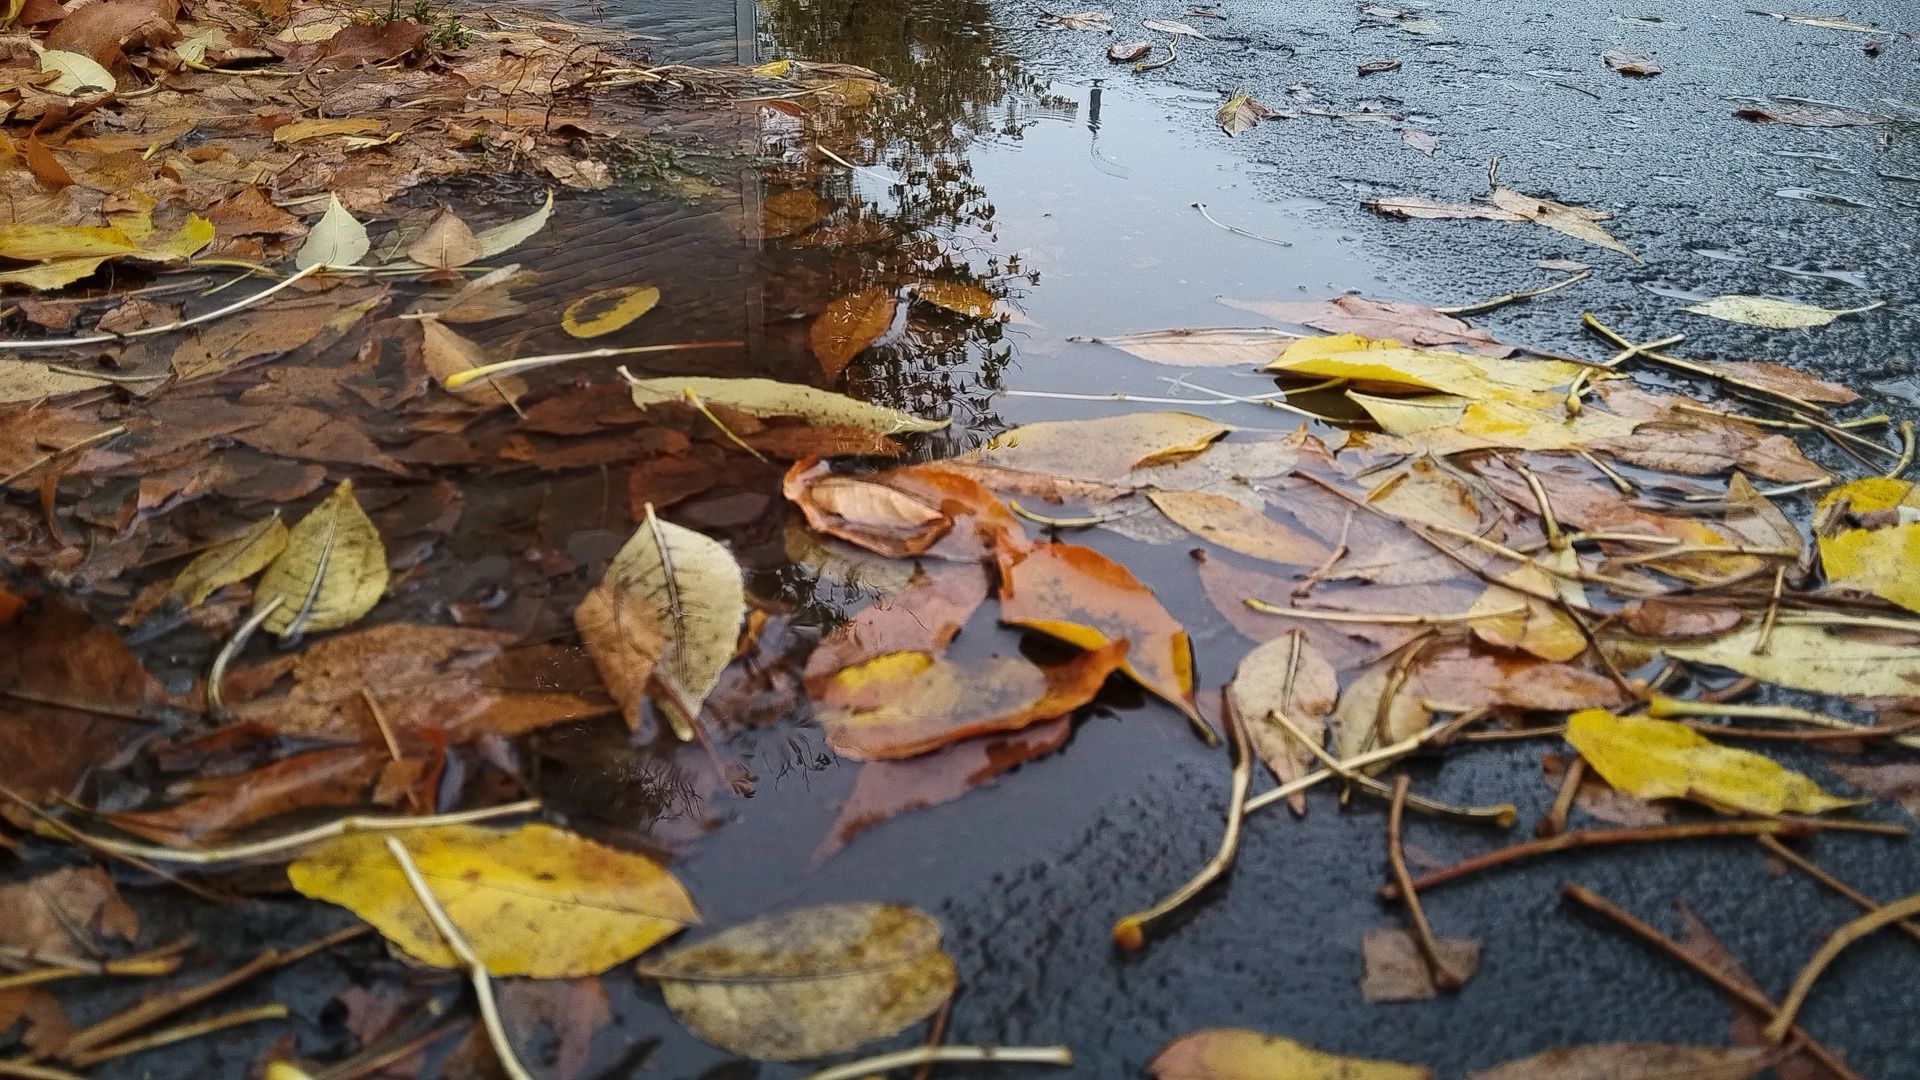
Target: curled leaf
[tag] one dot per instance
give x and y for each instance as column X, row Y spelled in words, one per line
column 332, row 571
column 913, row 510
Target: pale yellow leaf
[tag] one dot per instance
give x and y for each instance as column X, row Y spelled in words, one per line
column 1772, row 314
column 236, row 560
column 1287, row 676
column 1659, row 759
column 765, row 397
column 1240, row 1054
column 1223, row 521
column 332, row 571
column 337, row 239
column 75, row 73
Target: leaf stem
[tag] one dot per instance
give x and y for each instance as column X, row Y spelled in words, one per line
column 1385, row 753
column 1816, row 872
column 461, row 379
column 1444, row 977
column 270, row 1011
column 294, row 841
column 182, row 324
column 1502, row 815
column 919, row 1055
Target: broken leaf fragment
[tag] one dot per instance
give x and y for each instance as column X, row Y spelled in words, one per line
column 766, row 397
column 1659, row 759
column 332, row 571
column 1630, row 63
column 1285, row 676
column 1241, row 1054
column 535, row 901
column 808, row 983
column 1869, row 536
column 600, row 313
column 667, row 615
column 236, row 560
column 1634, row 1061
column 1770, row 313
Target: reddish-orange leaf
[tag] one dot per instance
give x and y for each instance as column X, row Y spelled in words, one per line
column 911, row 510
column 909, row 703
column 1084, row 598
column 923, row 617
column 322, row 778
column 848, row 325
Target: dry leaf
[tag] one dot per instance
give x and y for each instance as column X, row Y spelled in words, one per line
column 913, row 510
column 337, row 239
column 1388, row 320
column 1520, row 619
column 1392, row 967
column 446, row 244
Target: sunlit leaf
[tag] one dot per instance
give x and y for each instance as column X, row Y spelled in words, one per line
column 765, row 397
column 535, row 901
column 1289, row 677
column 668, row 612
column 1882, row 554
column 236, row 560
column 337, row 239
column 848, row 325
column 1384, row 364
column 1770, row 313
column 1240, row 1054
column 810, row 982
column 1659, row 759
column 333, row 570
column 603, row 312
column 1228, row 346
column 1634, row 1061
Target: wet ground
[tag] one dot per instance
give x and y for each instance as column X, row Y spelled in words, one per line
column 1020, row 159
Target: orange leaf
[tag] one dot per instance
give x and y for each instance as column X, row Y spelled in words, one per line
column 923, row 617
column 899, row 513
column 848, row 325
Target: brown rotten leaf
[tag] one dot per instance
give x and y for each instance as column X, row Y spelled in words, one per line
column 337, row 777
column 68, row 912
column 1394, row 320
column 848, row 325
column 922, row 617
column 912, row 510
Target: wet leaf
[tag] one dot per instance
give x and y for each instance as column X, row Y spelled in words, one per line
column 42, row 242
column 1772, row 314
column 446, row 244
column 1414, row 207
column 1103, row 451
column 1633, row 1061
column 1376, row 67
column 534, row 901
column 1126, row 52
column 1520, row 619
column 1220, row 520
column 914, row 510
column 509, row 235
column 1420, row 140
column 1630, row 63
column 1168, row 26
column 1672, row 620
column 1240, row 1054
column 1388, row 320
column 790, row 212
column 1372, row 363
column 337, row 777
column 1805, row 657
column 1084, row 598
column 75, row 74
column 1289, row 677
column 1813, row 116
column 848, row 325
column 1869, row 537
column 1240, row 114
column 1596, row 798
column 1228, row 346
column 333, row 570
column 1575, row 221
column 70, row 912
column 1658, row 759
column 236, row 560
column 1098, row 21
column 603, row 312
column 1392, row 968
column 810, row 982
column 301, row 130
column 446, row 352
column 957, row 297
column 1789, row 380
column 908, row 703
column 1899, row 782
column 765, row 397
column 924, row 616
column 668, row 612
column 337, row 239
column 21, row 380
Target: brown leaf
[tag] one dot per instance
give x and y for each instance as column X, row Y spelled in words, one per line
column 362, row 45
column 337, row 777
column 1456, row 674
column 1899, row 782
column 1223, row 521
column 923, row 617
column 446, row 244
column 47, row 1026
column 1789, row 380
column 69, row 912
column 1393, row 320
column 1601, row 800
column 1375, row 67
column 66, row 678
column 1392, row 967
column 105, row 30
column 42, row 164
column 570, row 1011
column 1809, row 116
column 1673, row 619
column 848, row 325
column 1628, row 63
column 446, row 352
column 312, row 321
column 912, row 510
column 251, row 213
column 316, row 435
column 1228, row 587
column 788, row 212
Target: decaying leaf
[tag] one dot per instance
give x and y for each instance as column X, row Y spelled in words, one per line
column 913, row 510
column 667, row 614
column 333, row 777
column 1084, row 598
column 1223, row 521
column 766, row 397
column 1289, row 677
column 1630, row 63
column 1634, row 1061
column 446, row 353
column 1575, row 221
column 955, row 296
column 1392, row 967
column 65, row 912
column 848, row 325
column 1098, row 21
column 337, row 239
column 1241, row 113
column 1899, row 782
column 446, row 243
column 600, row 313
column 1377, row 67
column 236, row 560
column 1772, row 314
column 908, row 703
column 534, row 901
column 1126, row 52
column 1806, row 115
column 1240, row 1054
column 1658, row 759
column 810, row 982
column 1392, row 320
column 923, row 616
column 333, row 570
column 1226, row 346
column 1808, row 657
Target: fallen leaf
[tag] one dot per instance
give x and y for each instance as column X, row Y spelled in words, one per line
column 908, row 703
column 957, row 297
column 505, row 237
column 534, row 901
column 1814, row 116
column 68, row 912
column 301, row 130
column 1899, row 782
column 913, row 510
column 810, row 982
column 667, row 614
column 1772, row 314
column 1658, row 759
column 1674, row 620
column 600, row 313
column 1104, row 451
column 1789, row 380
column 789, row 212
column 1869, row 537
column 1220, row 520
column 446, row 243
column 1170, row 27
column 765, row 397
column 1228, row 346
column 1392, row 967
column 1376, row 67
column 1598, row 799
column 1517, row 618
column 446, row 352
column 1241, row 113
column 337, row 239
column 1806, row 657
column 1633, row 1061
column 1422, row 141
column 63, row 679
column 21, row 380
column 1098, row 21
column 337, row 777
column 1413, row 206
column 75, row 74
column 233, row 561
column 1630, row 63
column 1370, row 363
column 1575, row 221
column 1084, row 598
column 1240, row 1054
column 1126, row 52
column 924, row 616
column 332, row 571
column 848, row 325
column 1391, row 320
column 1289, row 677
column 1828, row 22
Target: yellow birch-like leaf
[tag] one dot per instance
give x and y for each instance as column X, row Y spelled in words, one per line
column 1769, row 313
column 1223, row 521
column 332, row 571
column 1659, row 759
column 37, row 243
column 75, row 74
column 509, row 235
column 1513, row 619
column 1386, row 364
column 1883, row 560
column 534, row 901
column 1240, row 1054
column 1806, row 657
column 236, row 560
column 337, row 239
column 603, row 312
column 766, row 397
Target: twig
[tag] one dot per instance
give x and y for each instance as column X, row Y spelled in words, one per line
column 1085, row 522
column 1173, row 53
column 1905, row 460
column 182, row 324
column 1587, row 838
column 1502, row 815
column 272, row 1011
column 1701, row 370
column 476, row 971
column 460, row 379
column 297, row 840
column 162, row 961
column 1202, row 207
column 1556, row 540
column 1319, row 572
column 1619, row 482
column 1864, row 734
column 1728, row 985
column 1385, row 753
column 1903, row 908
column 1444, row 977
column 65, row 831
column 917, row 1055
column 1661, row 707
column 1130, row 933
column 1514, row 297
column 1554, row 822
column 217, row 672
column 53, row 455
column 1767, row 623
column 1384, row 618
column 1813, row 870
column 29, row 1071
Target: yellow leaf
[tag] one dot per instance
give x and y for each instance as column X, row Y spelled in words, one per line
column 1805, row 657
column 53, row 275
column 333, row 571
column 533, row 901
column 509, row 235
column 190, row 237
column 1520, row 620
column 1287, row 676
column 1240, row 1054
column 299, row 130
column 1227, row 346
column 808, row 983
column 1772, row 314
column 1659, row 759
column 848, row 325
column 43, row 242
column 1385, row 364
column 1223, row 521
column 1105, row 450
column 766, row 397
column 236, row 560
column 608, row 310
column 774, row 69
column 337, row 239
column 1440, row 425
column 1883, row 560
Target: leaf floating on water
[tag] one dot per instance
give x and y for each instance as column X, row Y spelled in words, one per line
column 1241, row 1054
column 600, row 313
column 765, row 397
column 446, row 244
column 848, row 325
column 1813, row 116
column 913, row 510
column 1287, row 676
column 333, row 570
column 1634, row 1061
column 1223, row 521
column 236, row 560
column 1869, row 536
column 808, row 983
column 1168, row 26
column 447, row 352
column 1227, row 346
column 509, row 235
column 908, row 703
column 1659, row 759
column 1240, row 114
column 957, row 297
column 534, row 901
column 1400, row 322
column 1104, row 451
column 337, row 239
column 1628, row 63
column 1772, row 314
column 667, row 613
column 924, row 616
